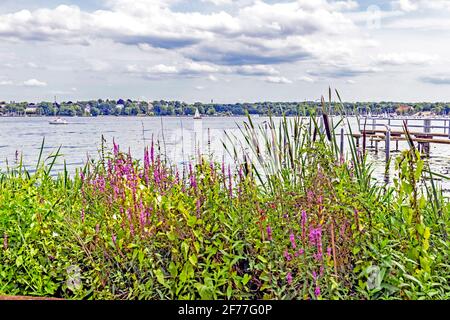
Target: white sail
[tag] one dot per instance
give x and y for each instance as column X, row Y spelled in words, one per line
column 197, row 114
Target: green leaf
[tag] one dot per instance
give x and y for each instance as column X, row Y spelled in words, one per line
column 160, row 277
column 193, row 260
column 19, row 261
column 261, row 258
column 185, row 249
column 173, row 269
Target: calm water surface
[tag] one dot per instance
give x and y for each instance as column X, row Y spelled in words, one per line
column 183, row 138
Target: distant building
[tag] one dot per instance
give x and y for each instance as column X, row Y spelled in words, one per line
column 3, row 107
column 31, row 109
column 402, row 109
column 87, row 109
column 120, row 106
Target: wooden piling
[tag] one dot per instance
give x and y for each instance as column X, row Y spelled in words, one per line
column 387, row 144
column 449, row 129
column 427, row 125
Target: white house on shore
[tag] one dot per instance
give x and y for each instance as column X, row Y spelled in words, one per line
column 31, row 109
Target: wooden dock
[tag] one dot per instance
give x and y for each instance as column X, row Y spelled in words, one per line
column 424, row 138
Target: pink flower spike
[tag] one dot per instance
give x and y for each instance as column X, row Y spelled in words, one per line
column 292, row 238
column 317, row 291
column 289, row 278
column 269, row 233
column 287, row 255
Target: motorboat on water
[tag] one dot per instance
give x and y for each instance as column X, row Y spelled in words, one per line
column 58, row 121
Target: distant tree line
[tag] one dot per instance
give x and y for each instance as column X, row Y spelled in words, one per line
column 177, row 108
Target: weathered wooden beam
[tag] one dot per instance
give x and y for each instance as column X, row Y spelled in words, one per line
column 388, row 145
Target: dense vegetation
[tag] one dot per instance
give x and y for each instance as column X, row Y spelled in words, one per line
column 293, row 218
column 173, row 108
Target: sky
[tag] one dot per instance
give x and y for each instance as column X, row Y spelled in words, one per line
column 225, row 50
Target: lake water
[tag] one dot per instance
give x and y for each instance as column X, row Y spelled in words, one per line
column 183, row 138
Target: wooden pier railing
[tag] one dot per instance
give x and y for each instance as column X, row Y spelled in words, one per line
column 423, row 138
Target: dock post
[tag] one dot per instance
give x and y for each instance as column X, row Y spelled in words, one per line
column 449, row 129
column 396, row 145
column 387, row 144
column 427, row 125
column 374, row 122
column 342, row 142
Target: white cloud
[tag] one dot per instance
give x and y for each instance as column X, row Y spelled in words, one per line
column 97, row 65
column 213, row 78
column 420, row 23
column 218, row 2
column 350, row 81
column 440, row 79
column 6, row 83
column 414, row 5
column 343, row 71
column 306, row 79
column 256, row 70
column 32, row 65
column 408, row 58
column 256, row 33
column 278, row 80
column 200, row 87
column 34, row 83
column 162, row 69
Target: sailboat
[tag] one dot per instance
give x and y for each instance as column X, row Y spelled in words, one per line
column 197, row 114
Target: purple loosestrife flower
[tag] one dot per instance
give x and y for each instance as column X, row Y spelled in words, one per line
column 132, row 229
column 192, row 178
column 289, row 278
column 287, row 255
column 269, row 233
column 301, row 251
column 241, row 174
column 320, row 200
column 116, row 148
column 211, row 167
column 152, row 153
column 329, row 252
column 292, row 239
column 142, row 218
column 113, row 237
column 230, row 186
column 317, row 290
column 303, row 221
column 310, row 196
